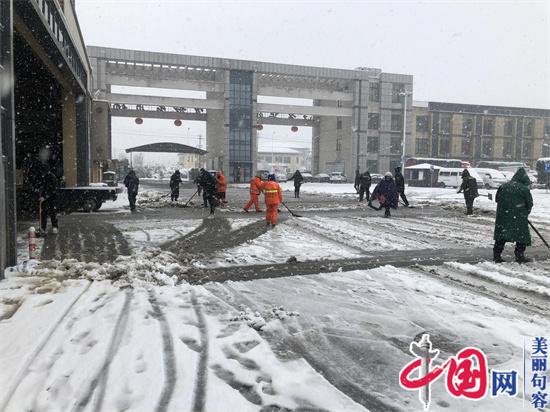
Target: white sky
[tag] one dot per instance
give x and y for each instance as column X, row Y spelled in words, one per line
column 481, row 52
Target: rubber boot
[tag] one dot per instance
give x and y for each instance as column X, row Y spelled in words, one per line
column 520, row 254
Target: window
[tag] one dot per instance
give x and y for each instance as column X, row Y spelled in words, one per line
column 396, row 122
column 488, row 126
column 286, row 159
column 372, row 144
column 466, row 146
column 527, row 150
column 528, row 128
column 487, row 148
column 444, row 146
column 374, row 121
column 507, row 148
column 508, row 127
column 422, row 146
column 338, row 145
column 372, row 166
column 421, row 123
column 547, row 130
column 374, row 92
column 395, row 145
column 278, row 159
column 338, row 123
column 268, row 158
column 445, row 125
column 467, row 125
column 396, row 89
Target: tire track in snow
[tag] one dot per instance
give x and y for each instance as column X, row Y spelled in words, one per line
column 102, row 375
column 23, row 371
column 199, row 393
column 168, row 355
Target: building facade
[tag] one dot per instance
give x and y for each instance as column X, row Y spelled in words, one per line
column 477, row 133
column 343, row 103
column 282, row 160
column 45, row 107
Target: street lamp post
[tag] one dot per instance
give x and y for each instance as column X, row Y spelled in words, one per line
column 404, row 94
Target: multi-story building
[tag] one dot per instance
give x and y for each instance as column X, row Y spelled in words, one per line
column 476, row 133
column 283, row 160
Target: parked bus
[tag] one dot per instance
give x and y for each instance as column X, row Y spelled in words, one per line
column 413, row 161
column 542, row 164
column 506, row 166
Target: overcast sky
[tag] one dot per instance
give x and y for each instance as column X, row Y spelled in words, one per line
column 482, row 52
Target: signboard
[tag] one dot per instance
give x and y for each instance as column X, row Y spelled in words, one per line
column 547, row 167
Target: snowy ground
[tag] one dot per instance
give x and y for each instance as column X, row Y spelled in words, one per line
column 329, row 341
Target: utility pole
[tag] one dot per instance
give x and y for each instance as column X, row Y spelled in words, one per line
column 404, row 94
column 358, row 130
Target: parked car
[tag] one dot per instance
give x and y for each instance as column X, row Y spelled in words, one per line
column 281, row 177
column 452, row 177
column 376, row 178
column 321, row 178
column 308, row 177
column 492, row 178
column 338, row 177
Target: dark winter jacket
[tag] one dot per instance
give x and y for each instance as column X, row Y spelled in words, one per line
column 386, row 193
column 357, row 180
column 208, row 182
column 298, row 178
column 48, row 188
column 175, row 181
column 131, row 182
column 399, row 180
column 514, row 203
column 365, row 179
column 468, row 186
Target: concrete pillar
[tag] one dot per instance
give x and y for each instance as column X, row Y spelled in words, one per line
column 100, row 142
column 69, row 139
column 456, row 135
column 217, row 127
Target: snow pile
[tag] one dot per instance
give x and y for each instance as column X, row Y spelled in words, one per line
column 255, row 319
column 151, row 266
column 154, row 199
column 252, row 319
column 282, row 314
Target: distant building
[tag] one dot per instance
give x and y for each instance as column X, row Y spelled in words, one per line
column 189, row 161
column 284, row 160
column 477, row 133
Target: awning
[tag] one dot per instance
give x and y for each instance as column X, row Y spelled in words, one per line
column 167, row 148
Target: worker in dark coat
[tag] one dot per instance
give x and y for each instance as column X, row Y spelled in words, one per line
column 400, row 185
column 469, row 187
column 357, row 181
column 386, row 193
column 209, row 191
column 175, row 181
column 514, row 203
column 298, row 180
column 48, row 202
column 365, row 181
column 131, row 182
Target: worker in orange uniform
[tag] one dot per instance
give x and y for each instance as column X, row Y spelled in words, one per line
column 255, row 190
column 273, row 196
column 221, row 187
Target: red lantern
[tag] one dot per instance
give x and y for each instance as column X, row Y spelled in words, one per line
column 294, row 129
column 139, row 120
column 177, row 122
column 259, row 127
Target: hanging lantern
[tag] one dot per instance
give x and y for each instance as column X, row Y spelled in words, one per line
column 177, row 122
column 259, row 127
column 294, row 129
column 139, row 120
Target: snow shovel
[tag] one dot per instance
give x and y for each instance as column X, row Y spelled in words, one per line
column 488, row 195
column 187, row 204
column 291, row 212
column 538, row 233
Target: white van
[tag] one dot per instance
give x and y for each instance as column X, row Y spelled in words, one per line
column 492, row 178
column 452, row 177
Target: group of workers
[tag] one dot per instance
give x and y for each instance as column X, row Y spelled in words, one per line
column 514, row 200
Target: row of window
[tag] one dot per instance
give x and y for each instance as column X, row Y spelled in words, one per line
column 278, row 159
column 422, row 147
column 486, row 128
column 396, row 124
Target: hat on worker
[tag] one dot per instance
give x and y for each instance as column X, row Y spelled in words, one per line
column 388, row 174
